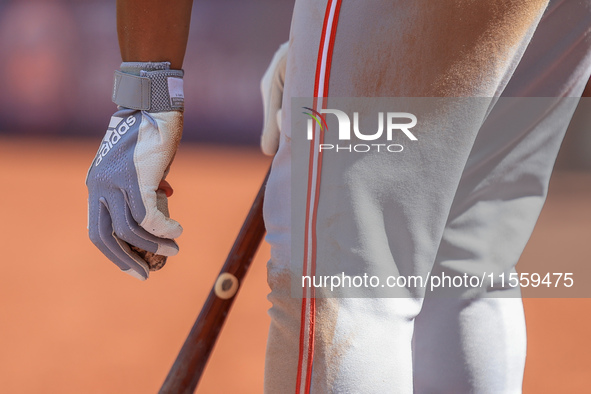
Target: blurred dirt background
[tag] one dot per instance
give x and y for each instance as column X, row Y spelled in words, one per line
column 71, row 323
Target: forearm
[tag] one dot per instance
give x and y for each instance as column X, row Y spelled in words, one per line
column 153, row 30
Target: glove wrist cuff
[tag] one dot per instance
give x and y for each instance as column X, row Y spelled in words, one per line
column 148, row 86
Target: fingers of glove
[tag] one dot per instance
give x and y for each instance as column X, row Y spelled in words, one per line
column 127, row 229
column 272, row 93
column 271, row 135
column 157, row 220
column 103, row 237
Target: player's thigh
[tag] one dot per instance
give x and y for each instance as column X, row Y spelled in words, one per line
column 419, row 48
column 388, row 49
column 499, row 198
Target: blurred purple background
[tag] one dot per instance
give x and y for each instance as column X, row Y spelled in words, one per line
column 57, row 59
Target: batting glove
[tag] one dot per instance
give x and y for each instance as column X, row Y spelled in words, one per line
column 128, row 216
column 272, row 91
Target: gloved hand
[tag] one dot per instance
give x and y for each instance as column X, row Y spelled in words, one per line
column 128, row 216
column 272, row 91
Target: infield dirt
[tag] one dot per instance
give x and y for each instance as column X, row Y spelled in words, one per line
column 71, row 323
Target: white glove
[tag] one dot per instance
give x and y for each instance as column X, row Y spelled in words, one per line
column 272, row 91
column 127, row 193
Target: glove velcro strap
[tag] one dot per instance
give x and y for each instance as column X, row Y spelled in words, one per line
column 152, row 91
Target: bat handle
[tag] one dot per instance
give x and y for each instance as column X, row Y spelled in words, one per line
column 188, row 367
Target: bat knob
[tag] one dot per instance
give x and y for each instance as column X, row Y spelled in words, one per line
column 226, row 286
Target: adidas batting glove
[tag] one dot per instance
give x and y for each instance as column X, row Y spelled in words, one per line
column 128, row 216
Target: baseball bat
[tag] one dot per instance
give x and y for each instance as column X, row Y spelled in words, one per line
column 188, row 367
